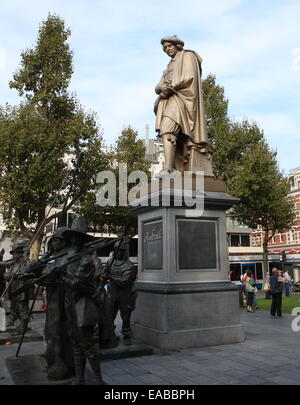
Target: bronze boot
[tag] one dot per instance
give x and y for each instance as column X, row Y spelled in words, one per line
column 94, row 361
column 79, row 364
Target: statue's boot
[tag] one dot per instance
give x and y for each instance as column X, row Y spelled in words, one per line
column 79, row 364
column 58, row 370
column 94, row 361
column 11, row 319
column 127, row 340
column 20, row 329
column 127, row 332
column 170, row 152
column 17, row 332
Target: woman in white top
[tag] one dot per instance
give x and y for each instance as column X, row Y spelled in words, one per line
column 287, row 283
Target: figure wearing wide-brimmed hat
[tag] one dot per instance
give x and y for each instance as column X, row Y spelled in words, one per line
column 82, row 302
column 19, row 305
column 78, row 231
column 59, row 353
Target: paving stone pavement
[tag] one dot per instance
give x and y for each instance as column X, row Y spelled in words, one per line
column 270, row 355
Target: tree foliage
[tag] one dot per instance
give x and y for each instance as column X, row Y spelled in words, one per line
column 262, row 190
column 130, row 150
column 228, row 139
column 43, row 137
column 242, row 158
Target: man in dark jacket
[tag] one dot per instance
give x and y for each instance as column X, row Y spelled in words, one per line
column 276, row 288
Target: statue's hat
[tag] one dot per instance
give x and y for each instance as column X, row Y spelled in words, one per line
column 19, row 246
column 173, row 39
column 58, row 234
column 79, row 228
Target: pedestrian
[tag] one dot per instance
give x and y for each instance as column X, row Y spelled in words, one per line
column 267, row 287
column 287, row 283
column 243, row 280
column 255, row 306
column 276, row 285
column 250, row 287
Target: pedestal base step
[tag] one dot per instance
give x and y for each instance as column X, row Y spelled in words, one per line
column 30, row 336
column 123, row 351
column 31, row 370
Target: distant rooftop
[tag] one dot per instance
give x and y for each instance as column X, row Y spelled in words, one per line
column 293, row 171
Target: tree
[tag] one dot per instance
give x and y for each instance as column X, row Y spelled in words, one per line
column 130, row 150
column 228, row 140
column 242, row 158
column 44, row 136
column 262, row 190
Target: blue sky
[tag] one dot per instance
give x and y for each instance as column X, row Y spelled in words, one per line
column 252, row 46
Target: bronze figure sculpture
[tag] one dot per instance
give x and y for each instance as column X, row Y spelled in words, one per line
column 59, row 353
column 179, row 109
column 19, row 305
column 81, row 303
column 121, row 287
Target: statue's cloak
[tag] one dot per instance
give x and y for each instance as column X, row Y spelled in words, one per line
column 186, row 106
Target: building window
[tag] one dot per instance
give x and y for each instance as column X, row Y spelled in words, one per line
column 234, row 240
column 239, row 240
column 235, row 271
column 293, row 234
column 245, row 240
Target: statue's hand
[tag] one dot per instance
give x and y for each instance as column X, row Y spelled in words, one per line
column 163, row 95
column 172, row 139
column 167, row 92
column 159, row 88
column 162, row 88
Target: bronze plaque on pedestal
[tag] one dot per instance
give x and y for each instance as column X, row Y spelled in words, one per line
column 153, row 245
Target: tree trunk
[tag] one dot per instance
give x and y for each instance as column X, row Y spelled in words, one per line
column 265, row 254
column 36, row 247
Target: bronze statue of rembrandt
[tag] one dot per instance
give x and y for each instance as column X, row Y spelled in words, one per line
column 179, row 109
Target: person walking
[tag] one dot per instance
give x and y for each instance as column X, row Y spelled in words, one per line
column 243, row 280
column 250, row 287
column 276, row 286
column 244, row 292
column 287, row 283
column 267, row 287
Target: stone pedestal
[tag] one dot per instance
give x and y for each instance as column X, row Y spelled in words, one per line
column 184, row 297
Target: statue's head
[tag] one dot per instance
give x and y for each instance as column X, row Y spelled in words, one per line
column 57, row 242
column 122, row 249
column 77, row 235
column 171, row 45
column 19, row 248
